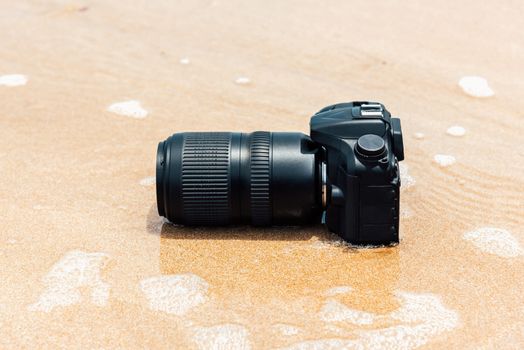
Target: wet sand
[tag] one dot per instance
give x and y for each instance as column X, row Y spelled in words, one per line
column 89, row 88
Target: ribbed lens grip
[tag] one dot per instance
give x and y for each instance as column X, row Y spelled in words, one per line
column 260, row 170
column 205, row 178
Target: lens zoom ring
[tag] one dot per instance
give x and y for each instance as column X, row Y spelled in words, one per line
column 205, row 178
column 260, row 178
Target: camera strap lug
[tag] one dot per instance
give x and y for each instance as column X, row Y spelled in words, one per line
column 371, row 110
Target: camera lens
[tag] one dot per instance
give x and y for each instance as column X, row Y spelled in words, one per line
column 220, row 178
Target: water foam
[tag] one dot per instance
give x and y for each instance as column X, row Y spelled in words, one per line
column 444, row 160
column 335, row 311
column 75, row 271
column 495, row 241
column 476, row 86
column 286, row 329
column 13, row 80
column 419, row 318
column 405, row 211
column 456, row 130
column 175, row 294
column 242, row 80
column 222, row 337
column 338, row 290
column 148, row 181
column 130, row 108
column 406, row 179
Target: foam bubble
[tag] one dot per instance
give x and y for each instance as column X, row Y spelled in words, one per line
column 148, row 181
column 444, row 160
column 73, row 273
column 419, row 135
column 184, row 60
column 406, row 179
column 476, row 86
column 419, row 318
column 338, row 290
column 222, row 337
column 405, row 211
column 130, row 108
column 13, row 80
column 495, row 241
column 286, row 329
column 335, row 311
column 242, row 80
column 175, row 294
column 456, row 130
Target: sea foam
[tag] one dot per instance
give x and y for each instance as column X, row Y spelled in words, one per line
column 495, row 241
column 444, row 160
column 13, row 80
column 74, row 272
column 148, row 181
column 242, row 80
column 420, row 318
column 175, row 294
column 130, row 108
column 476, row 86
column 406, row 179
column 222, row 337
column 456, row 130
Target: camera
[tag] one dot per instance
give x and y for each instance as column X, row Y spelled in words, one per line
column 345, row 174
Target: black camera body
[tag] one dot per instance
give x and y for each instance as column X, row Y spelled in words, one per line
column 362, row 146
column 346, row 169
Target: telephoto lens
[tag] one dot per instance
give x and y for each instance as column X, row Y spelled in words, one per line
column 221, row 178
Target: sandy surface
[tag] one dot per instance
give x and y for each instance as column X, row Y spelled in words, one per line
column 88, row 88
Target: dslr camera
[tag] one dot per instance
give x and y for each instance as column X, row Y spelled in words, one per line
column 344, row 174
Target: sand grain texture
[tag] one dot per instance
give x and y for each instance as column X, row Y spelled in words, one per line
column 87, row 262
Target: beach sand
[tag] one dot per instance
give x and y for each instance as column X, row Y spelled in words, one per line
column 88, row 89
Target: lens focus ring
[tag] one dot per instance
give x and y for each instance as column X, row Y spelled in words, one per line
column 205, row 178
column 260, row 178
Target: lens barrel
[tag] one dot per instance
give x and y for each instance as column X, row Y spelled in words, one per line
column 221, row 178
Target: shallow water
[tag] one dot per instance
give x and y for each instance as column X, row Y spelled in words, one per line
column 87, row 262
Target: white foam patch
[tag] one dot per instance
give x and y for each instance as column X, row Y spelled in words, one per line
column 175, row 294
column 406, row 179
column 74, row 272
column 286, row 329
column 495, row 241
column 420, row 318
column 419, row 135
column 13, row 80
column 222, row 337
column 444, row 160
column 148, row 181
column 130, row 108
column 456, row 130
column 338, row 290
column 405, row 211
column 476, row 86
column 242, row 80
column 335, row 311
column 333, row 329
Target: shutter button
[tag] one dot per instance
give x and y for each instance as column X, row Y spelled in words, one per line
column 371, row 146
